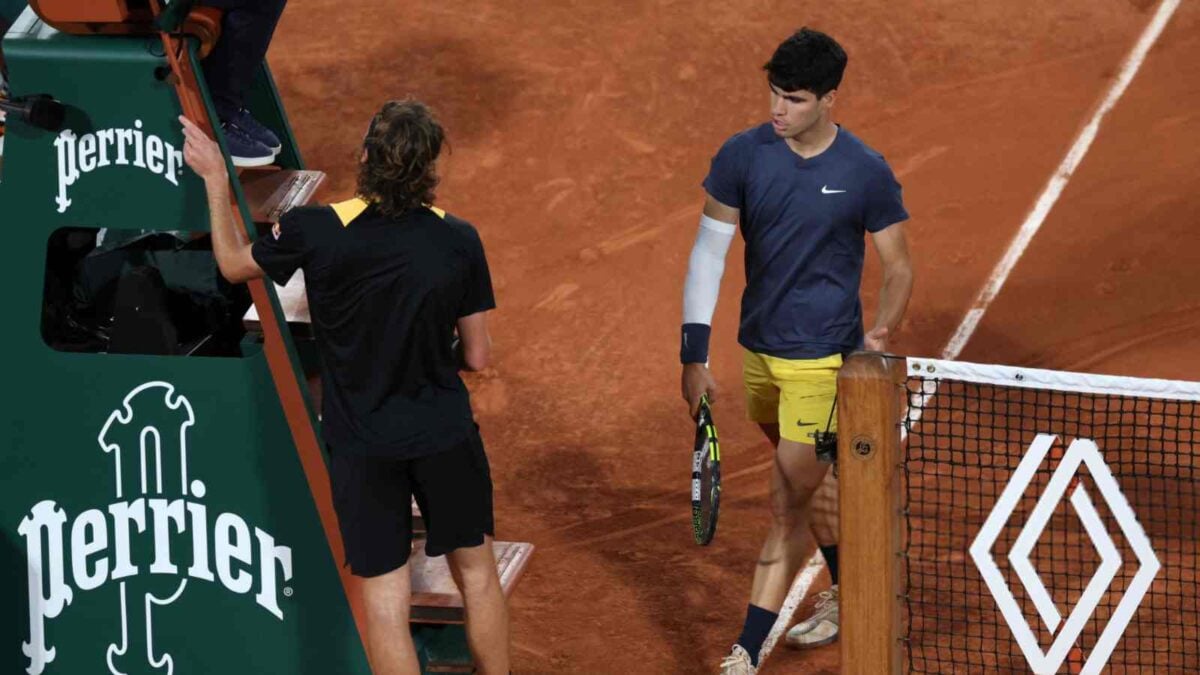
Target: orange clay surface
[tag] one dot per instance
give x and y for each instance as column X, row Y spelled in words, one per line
column 580, row 132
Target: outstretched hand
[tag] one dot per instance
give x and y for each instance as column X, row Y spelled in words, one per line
column 202, row 153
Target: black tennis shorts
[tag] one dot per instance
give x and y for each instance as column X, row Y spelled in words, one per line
column 373, row 500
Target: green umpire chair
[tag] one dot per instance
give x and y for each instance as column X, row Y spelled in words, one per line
column 166, row 507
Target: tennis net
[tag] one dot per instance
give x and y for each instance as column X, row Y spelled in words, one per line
column 1048, row 521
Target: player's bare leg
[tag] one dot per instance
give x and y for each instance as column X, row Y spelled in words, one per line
column 824, row 503
column 474, row 571
column 389, row 643
column 825, row 512
column 795, row 477
column 821, row 627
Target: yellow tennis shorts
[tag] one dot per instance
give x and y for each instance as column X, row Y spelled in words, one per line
column 798, row 394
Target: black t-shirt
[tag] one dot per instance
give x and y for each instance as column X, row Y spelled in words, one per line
column 384, row 295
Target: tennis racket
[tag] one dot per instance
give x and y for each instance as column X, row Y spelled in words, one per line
column 706, row 476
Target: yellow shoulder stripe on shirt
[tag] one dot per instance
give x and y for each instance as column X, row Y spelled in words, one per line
column 349, row 210
column 352, row 208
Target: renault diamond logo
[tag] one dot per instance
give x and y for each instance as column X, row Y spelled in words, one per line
column 1081, row 451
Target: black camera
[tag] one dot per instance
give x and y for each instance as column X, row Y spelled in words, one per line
column 826, row 444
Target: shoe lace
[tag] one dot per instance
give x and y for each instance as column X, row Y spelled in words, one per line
column 238, row 132
column 245, row 120
column 826, row 599
column 736, row 657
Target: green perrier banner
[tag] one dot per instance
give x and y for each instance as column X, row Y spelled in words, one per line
column 154, row 513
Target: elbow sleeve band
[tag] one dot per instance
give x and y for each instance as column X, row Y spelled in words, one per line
column 706, row 265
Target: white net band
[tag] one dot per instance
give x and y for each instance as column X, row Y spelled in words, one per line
column 1034, row 378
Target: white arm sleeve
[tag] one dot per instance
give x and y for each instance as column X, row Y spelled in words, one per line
column 705, row 268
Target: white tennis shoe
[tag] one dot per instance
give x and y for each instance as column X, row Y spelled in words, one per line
column 738, row 662
column 819, row 629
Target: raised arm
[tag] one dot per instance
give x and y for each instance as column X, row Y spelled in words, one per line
column 230, row 244
column 892, row 247
column 706, row 266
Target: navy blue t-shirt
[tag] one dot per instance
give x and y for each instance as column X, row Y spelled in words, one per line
column 804, row 222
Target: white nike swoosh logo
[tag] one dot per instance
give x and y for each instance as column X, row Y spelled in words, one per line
column 826, row 191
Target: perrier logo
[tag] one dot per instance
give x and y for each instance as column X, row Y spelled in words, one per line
column 156, row 505
column 79, row 155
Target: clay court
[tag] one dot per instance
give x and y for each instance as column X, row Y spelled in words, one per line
column 580, row 132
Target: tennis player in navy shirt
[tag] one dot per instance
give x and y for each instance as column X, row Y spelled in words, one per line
column 805, row 193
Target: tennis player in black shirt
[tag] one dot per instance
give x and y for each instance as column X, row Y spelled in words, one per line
column 389, row 278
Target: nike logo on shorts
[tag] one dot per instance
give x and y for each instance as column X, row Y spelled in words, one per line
column 826, row 191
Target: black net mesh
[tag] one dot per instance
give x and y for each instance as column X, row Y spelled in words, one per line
column 963, row 446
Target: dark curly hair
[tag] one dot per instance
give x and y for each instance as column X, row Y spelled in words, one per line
column 809, row 60
column 402, row 146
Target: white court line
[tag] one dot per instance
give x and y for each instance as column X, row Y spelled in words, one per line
column 804, row 580
column 1033, row 223
column 1058, row 181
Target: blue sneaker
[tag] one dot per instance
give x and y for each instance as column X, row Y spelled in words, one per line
column 243, row 149
column 257, row 131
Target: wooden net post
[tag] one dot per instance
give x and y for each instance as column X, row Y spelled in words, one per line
column 870, row 403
